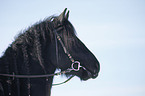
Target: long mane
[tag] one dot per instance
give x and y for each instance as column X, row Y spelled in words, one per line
column 34, row 39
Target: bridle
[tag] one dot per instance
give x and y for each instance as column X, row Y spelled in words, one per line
column 72, row 68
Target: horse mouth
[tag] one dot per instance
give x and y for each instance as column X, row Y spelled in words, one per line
column 88, row 75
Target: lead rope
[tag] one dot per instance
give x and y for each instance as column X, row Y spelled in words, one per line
column 63, row 82
column 73, row 68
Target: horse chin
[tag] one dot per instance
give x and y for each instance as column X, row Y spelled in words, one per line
column 88, row 75
column 85, row 75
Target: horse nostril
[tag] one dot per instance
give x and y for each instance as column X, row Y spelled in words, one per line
column 95, row 71
column 94, row 75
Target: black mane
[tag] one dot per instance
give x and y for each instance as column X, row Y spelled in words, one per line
column 35, row 39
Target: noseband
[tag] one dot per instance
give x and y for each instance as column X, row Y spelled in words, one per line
column 75, row 66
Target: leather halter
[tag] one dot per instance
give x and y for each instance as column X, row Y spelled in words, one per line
column 73, row 66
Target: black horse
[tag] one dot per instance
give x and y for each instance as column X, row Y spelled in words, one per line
column 29, row 63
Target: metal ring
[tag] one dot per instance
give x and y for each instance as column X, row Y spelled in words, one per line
column 78, row 66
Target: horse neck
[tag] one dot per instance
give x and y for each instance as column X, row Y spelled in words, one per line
column 9, row 63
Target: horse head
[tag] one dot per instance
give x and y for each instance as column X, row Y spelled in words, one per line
column 71, row 49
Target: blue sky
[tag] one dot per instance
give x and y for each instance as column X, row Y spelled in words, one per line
column 114, row 30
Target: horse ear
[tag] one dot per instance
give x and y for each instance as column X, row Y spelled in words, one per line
column 62, row 16
column 67, row 15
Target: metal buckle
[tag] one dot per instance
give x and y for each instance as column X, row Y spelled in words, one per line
column 73, row 66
